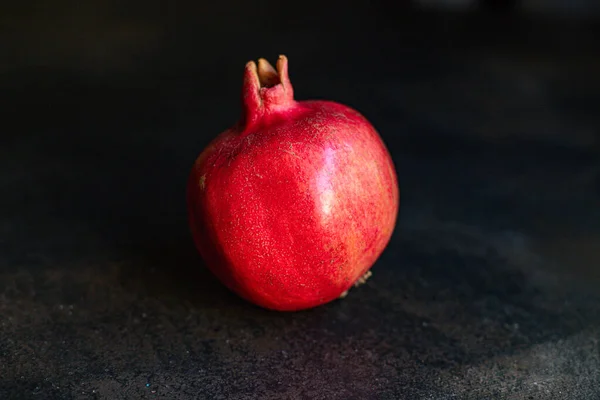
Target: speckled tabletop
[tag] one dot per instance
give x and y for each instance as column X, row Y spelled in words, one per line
column 489, row 288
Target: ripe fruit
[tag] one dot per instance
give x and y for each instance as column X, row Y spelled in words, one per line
column 292, row 206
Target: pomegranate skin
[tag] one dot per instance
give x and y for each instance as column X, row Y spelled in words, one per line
column 295, row 203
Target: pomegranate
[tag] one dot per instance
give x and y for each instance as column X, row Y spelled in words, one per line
column 292, row 206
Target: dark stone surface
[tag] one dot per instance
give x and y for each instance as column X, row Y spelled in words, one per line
column 489, row 288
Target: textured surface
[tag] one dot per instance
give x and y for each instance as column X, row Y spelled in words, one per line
column 489, row 288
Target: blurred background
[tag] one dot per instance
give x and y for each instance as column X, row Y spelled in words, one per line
column 490, row 109
column 124, row 95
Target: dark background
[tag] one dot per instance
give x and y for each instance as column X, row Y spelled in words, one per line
column 489, row 288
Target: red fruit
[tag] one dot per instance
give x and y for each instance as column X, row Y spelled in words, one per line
column 293, row 205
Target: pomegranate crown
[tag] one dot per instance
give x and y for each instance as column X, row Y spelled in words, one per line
column 266, row 90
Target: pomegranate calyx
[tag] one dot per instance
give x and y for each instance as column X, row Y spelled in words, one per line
column 266, row 90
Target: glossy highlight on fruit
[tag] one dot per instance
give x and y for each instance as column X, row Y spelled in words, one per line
column 293, row 205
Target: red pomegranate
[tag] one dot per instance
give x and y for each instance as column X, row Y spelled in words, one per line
column 293, row 205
